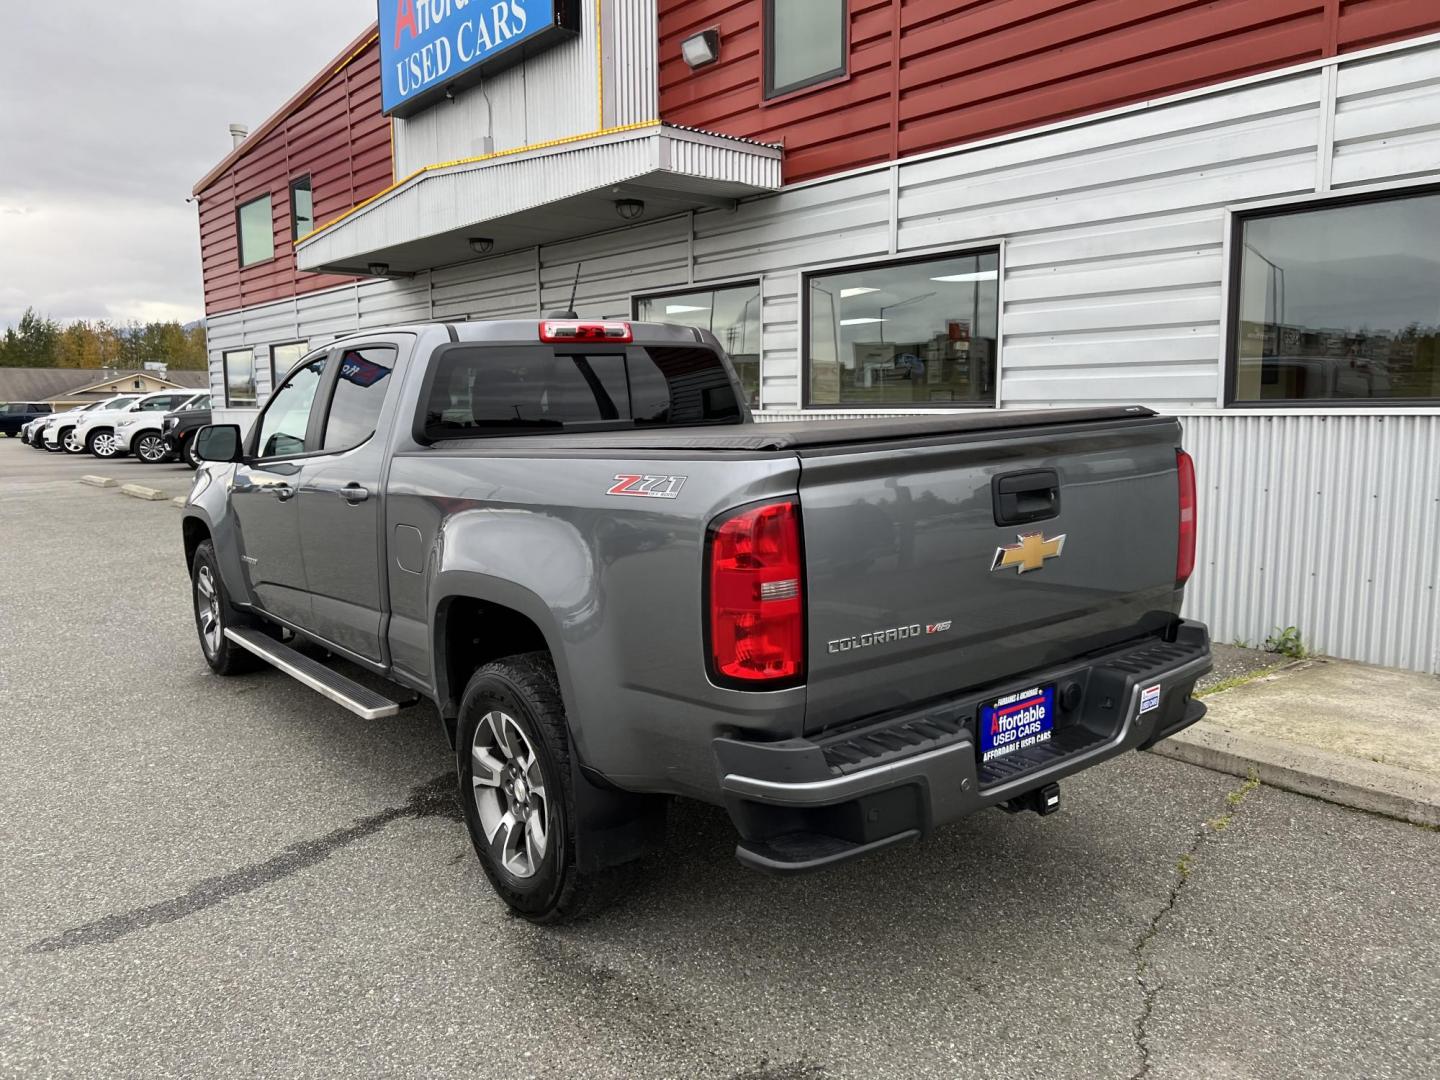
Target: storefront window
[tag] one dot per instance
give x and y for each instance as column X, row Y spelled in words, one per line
column 732, row 314
column 239, row 377
column 918, row 333
column 284, row 357
column 257, row 235
column 804, row 43
column 1338, row 303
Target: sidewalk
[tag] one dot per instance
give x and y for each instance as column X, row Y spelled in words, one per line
column 1361, row 736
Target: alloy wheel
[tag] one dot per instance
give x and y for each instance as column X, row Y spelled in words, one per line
column 207, row 607
column 105, row 445
column 73, row 442
column 510, row 795
column 150, row 448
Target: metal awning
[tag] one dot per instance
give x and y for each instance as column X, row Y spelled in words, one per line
column 539, row 195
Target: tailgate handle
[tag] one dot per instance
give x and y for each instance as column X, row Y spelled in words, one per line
column 1023, row 497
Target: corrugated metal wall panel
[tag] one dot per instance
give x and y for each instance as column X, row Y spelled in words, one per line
column 632, row 89
column 497, row 288
column 552, row 95
column 1327, row 523
column 1387, row 122
column 614, row 265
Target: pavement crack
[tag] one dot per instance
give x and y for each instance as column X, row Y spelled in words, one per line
column 1184, row 870
column 433, row 799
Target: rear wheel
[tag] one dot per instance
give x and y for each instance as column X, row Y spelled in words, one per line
column 514, row 763
column 149, row 447
column 213, row 614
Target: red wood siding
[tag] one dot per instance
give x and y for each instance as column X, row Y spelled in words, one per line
column 925, row 74
column 340, row 139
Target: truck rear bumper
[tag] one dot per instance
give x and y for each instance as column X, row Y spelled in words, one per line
column 803, row 804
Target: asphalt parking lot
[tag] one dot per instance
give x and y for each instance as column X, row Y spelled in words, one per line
column 236, row 877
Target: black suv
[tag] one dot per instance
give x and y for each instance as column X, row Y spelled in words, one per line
column 17, row 414
column 178, row 430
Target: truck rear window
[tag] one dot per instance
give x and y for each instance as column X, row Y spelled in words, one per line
column 480, row 390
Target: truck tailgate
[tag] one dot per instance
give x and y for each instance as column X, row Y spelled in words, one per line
column 921, row 582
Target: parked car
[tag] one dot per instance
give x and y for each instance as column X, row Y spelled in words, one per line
column 99, row 431
column 572, row 538
column 28, row 430
column 140, row 430
column 179, row 430
column 59, row 431
column 16, row 414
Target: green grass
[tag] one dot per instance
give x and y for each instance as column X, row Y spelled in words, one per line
column 1237, row 680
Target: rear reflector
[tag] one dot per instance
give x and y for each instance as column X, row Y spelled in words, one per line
column 1185, row 557
column 553, row 330
column 756, row 597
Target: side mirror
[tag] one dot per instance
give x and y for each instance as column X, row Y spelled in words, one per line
column 218, row 442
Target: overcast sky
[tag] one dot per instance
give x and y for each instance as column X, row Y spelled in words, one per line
column 109, row 113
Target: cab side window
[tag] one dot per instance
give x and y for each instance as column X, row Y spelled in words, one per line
column 359, row 392
column 287, row 416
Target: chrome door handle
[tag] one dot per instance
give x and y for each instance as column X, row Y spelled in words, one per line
column 281, row 491
column 354, row 493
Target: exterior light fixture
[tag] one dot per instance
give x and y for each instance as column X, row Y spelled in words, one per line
column 481, row 245
column 702, row 49
column 629, row 209
column 378, row 269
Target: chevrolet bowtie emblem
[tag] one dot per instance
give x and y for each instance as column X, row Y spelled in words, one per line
column 1029, row 554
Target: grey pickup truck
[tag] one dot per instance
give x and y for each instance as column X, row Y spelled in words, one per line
column 617, row 587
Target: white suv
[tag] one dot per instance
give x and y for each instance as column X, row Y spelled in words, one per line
column 139, row 431
column 96, row 431
column 58, row 431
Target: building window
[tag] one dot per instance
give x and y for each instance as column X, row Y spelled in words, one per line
column 920, row 333
column 257, row 235
column 239, row 376
column 731, row 313
column 302, row 208
column 284, row 357
column 804, row 43
column 1337, row 303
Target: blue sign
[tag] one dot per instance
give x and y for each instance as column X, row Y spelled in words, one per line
column 427, row 46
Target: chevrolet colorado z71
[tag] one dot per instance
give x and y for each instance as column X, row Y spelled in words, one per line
column 615, row 586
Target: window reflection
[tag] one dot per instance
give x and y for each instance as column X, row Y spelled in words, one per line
column 732, row 314
column 1341, row 302
column 916, row 333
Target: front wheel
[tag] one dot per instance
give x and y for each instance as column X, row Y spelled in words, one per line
column 102, row 443
column 514, row 764
column 71, row 442
column 187, row 454
column 149, row 447
column 213, row 614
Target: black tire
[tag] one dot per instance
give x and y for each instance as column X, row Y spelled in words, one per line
column 222, row 654
column 94, row 436
column 187, row 453
column 151, row 443
column 11, row 434
column 525, row 689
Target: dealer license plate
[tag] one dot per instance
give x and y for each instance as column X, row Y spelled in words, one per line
column 1016, row 721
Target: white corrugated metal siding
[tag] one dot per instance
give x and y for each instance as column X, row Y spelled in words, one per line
column 632, row 66
column 1327, row 523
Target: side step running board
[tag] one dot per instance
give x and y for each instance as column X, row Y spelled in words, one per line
column 360, row 700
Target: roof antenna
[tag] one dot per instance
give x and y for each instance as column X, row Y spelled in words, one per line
column 568, row 313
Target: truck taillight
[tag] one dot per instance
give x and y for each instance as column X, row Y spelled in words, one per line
column 756, row 596
column 555, row 330
column 1185, row 558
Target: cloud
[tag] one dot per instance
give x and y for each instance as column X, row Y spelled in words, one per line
column 112, row 112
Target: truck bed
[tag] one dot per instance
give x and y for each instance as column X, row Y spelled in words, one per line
column 799, row 435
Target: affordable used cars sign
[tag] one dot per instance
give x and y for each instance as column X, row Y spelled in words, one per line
column 429, row 45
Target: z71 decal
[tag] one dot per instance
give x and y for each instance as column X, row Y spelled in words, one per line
column 647, row 487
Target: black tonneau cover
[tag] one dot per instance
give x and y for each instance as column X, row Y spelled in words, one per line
column 800, row 434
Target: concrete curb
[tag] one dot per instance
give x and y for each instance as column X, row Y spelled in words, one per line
column 1338, row 778
column 179, row 500
column 98, row 481
column 140, row 491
